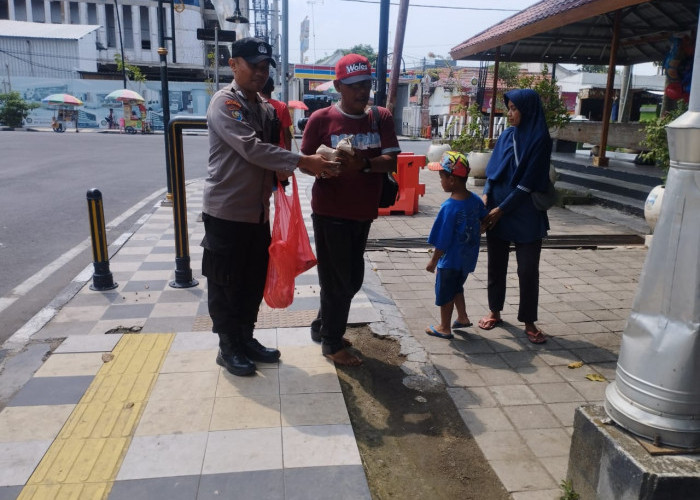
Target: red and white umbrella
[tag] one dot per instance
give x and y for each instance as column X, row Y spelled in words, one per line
column 62, row 100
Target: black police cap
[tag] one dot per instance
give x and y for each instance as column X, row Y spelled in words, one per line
column 253, row 50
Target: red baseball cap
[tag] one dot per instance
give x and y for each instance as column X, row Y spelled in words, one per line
column 353, row 68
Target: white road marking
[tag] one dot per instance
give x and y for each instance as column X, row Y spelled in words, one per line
column 22, row 335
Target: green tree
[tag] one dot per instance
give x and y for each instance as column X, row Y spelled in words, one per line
column 364, row 50
column 133, row 72
column 656, row 140
column 471, row 138
column 594, row 68
column 508, row 74
column 14, row 109
column 555, row 112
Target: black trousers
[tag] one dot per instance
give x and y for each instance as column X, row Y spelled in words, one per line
column 235, row 264
column 528, row 257
column 340, row 248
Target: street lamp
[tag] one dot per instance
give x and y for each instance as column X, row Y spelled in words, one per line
column 239, row 21
column 121, row 43
column 237, row 17
column 165, row 97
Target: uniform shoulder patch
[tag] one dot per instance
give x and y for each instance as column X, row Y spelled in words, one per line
column 237, row 115
column 232, row 104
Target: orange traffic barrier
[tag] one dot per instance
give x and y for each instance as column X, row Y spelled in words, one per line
column 408, row 167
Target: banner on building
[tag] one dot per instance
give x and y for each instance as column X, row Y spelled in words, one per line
column 304, row 37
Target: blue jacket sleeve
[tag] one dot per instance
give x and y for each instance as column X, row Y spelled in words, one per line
column 513, row 200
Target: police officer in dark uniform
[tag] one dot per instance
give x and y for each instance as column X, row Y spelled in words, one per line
column 243, row 162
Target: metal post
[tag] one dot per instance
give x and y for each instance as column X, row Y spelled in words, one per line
column 102, row 277
column 494, row 92
column 398, row 54
column 285, row 50
column 275, row 37
column 183, row 271
column 164, row 97
column 380, row 92
column 656, row 392
column 121, row 43
column 601, row 160
column 216, row 58
column 173, row 45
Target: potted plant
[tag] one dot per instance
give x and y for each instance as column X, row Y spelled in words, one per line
column 472, row 143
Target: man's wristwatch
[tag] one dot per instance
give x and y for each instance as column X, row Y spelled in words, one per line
column 367, row 168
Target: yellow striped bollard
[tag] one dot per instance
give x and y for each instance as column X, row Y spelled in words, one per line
column 101, row 277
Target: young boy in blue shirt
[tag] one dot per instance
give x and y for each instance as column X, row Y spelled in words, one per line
column 455, row 235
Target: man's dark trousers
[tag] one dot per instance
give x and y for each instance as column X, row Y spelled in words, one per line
column 235, row 264
column 340, row 248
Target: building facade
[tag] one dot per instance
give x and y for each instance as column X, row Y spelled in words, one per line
column 128, row 27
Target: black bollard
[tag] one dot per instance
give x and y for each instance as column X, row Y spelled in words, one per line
column 183, row 271
column 102, row 277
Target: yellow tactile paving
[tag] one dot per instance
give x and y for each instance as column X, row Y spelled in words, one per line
column 85, row 457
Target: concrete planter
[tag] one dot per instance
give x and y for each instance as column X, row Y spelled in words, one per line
column 477, row 163
column 435, row 151
column 652, row 207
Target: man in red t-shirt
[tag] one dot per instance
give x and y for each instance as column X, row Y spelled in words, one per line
column 282, row 113
column 345, row 206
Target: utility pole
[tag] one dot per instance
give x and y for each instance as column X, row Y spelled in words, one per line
column 285, row 51
column 380, row 92
column 216, row 58
column 398, row 54
column 275, row 38
column 9, row 83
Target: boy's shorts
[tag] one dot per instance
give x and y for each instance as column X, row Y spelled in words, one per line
column 448, row 283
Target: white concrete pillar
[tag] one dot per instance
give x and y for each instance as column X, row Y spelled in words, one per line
column 136, row 27
column 82, row 12
column 153, row 28
column 102, row 21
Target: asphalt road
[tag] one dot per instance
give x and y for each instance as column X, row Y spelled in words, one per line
column 44, row 225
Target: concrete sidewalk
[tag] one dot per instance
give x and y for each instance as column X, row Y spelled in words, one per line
column 111, row 414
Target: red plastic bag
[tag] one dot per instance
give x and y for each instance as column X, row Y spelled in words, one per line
column 290, row 250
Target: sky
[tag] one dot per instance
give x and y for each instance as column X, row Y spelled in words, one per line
column 432, row 26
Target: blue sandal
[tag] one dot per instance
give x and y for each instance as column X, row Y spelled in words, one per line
column 433, row 332
column 457, row 324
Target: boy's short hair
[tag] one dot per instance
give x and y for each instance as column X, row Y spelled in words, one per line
column 453, row 163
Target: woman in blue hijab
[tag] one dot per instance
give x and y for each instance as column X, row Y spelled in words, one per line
column 518, row 167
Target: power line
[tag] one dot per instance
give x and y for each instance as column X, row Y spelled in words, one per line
column 37, row 65
column 439, row 6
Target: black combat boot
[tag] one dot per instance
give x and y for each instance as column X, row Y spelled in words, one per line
column 316, row 328
column 258, row 352
column 233, row 358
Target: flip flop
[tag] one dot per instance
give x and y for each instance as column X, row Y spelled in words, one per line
column 536, row 337
column 487, row 323
column 457, row 324
column 432, row 331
